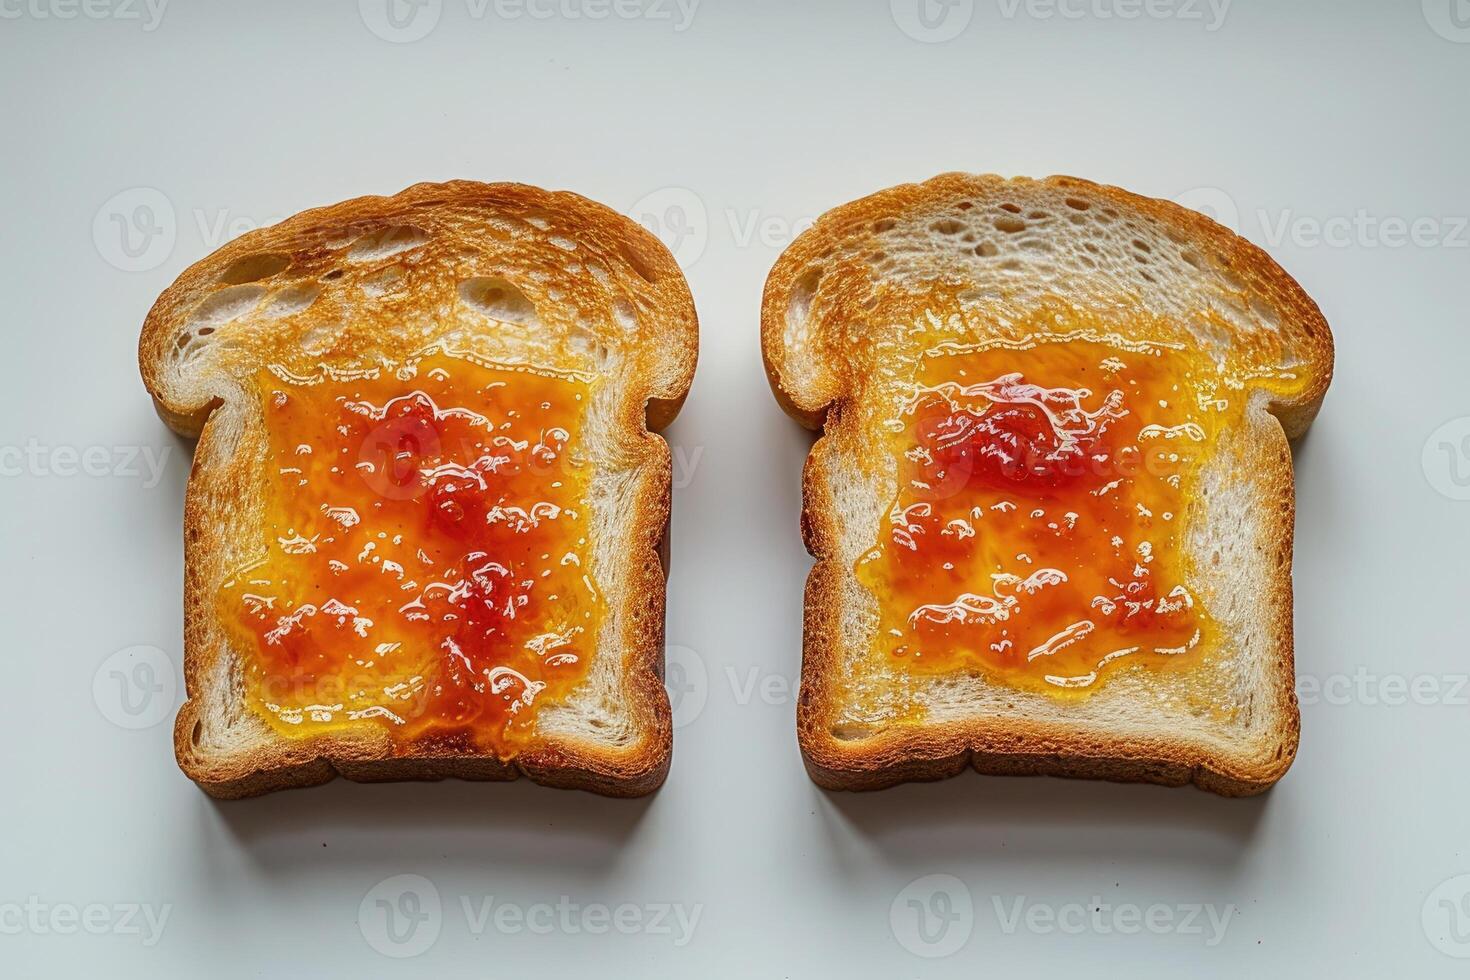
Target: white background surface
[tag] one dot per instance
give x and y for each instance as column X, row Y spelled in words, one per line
column 757, row 115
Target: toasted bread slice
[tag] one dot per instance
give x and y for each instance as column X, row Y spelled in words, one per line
column 495, row 274
column 975, row 263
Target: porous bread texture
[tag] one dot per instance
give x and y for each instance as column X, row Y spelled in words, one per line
column 502, row 273
column 975, row 258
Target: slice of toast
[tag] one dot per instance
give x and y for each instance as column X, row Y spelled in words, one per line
column 861, row 318
column 527, row 291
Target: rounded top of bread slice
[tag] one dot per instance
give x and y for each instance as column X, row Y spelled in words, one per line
column 502, row 272
column 1001, row 249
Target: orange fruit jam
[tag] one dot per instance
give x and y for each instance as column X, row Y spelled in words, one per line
column 1043, row 491
column 426, row 554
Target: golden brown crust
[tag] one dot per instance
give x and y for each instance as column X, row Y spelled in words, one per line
column 1017, row 745
column 665, row 350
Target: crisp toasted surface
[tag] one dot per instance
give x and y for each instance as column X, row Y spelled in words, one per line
column 974, row 258
column 506, row 273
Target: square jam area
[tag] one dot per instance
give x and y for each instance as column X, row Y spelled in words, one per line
column 425, row 553
column 1038, row 530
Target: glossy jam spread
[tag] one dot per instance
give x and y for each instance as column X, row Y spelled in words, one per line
column 1043, row 490
column 425, row 561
